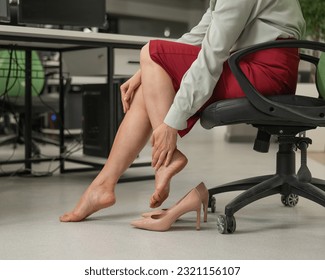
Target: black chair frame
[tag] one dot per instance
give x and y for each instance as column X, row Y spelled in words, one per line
column 285, row 117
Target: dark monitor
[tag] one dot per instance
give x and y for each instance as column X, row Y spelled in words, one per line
column 4, row 11
column 81, row 13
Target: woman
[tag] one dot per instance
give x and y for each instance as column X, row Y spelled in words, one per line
column 177, row 80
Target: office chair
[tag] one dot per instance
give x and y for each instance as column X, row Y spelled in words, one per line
column 12, row 100
column 285, row 117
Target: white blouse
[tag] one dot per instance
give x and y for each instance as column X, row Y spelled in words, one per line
column 229, row 25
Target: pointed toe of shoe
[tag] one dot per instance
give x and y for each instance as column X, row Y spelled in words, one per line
column 142, row 223
column 137, row 223
column 150, row 224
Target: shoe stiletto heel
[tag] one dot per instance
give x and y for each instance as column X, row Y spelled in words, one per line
column 162, row 222
column 198, row 219
column 204, row 195
column 205, row 213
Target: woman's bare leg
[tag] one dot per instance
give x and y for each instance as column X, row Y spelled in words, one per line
column 149, row 108
column 130, row 139
column 159, row 93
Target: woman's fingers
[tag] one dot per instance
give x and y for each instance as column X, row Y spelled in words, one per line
column 163, row 143
column 158, row 158
column 128, row 90
column 169, row 158
column 126, row 97
column 123, row 89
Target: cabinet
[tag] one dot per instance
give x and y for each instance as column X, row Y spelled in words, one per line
column 126, row 62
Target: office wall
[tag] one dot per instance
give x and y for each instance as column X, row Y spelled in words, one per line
column 189, row 11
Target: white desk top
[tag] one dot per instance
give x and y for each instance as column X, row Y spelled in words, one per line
column 62, row 39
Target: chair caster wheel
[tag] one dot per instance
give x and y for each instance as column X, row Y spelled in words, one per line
column 290, row 200
column 226, row 224
column 212, row 204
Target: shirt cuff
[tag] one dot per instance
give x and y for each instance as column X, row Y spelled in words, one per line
column 176, row 119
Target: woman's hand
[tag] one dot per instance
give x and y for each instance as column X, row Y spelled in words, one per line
column 163, row 142
column 128, row 90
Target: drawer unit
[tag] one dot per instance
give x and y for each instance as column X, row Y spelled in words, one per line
column 93, row 62
column 126, row 61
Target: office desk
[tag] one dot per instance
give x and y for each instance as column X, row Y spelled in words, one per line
column 28, row 39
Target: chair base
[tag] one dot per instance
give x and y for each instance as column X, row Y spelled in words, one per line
column 263, row 186
column 285, row 182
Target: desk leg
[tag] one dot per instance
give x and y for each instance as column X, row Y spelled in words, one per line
column 111, row 98
column 61, row 115
column 28, row 110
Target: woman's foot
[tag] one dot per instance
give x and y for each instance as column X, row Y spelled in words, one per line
column 96, row 197
column 162, row 222
column 163, row 176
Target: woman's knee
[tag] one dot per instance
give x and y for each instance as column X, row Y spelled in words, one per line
column 145, row 57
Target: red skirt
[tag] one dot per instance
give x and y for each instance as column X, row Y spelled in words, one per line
column 271, row 71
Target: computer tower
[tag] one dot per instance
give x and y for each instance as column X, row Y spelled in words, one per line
column 99, row 126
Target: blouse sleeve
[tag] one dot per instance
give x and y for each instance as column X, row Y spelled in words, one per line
column 227, row 22
column 197, row 33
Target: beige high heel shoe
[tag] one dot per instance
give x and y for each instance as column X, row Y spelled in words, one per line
column 162, row 222
column 204, row 195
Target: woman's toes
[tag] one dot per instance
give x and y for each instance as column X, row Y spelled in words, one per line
column 157, row 199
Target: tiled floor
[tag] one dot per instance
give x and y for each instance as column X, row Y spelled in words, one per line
column 30, row 207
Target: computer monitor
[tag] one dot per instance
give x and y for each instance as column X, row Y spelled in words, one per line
column 81, row 13
column 4, row 11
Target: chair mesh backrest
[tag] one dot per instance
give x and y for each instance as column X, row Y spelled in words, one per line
column 321, row 75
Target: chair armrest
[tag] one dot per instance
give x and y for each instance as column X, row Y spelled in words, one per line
column 309, row 58
column 261, row 102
